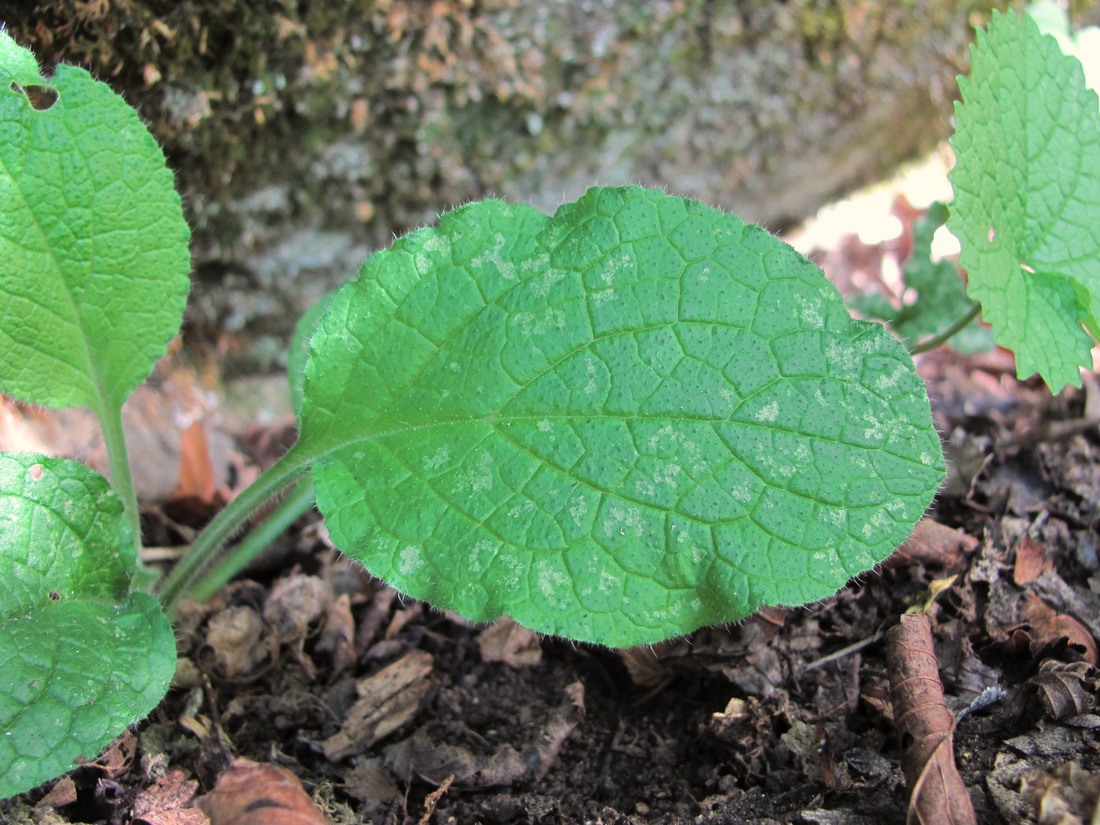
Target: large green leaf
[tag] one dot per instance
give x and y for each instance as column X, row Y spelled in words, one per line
column 93, row 245
column 617, row 424
column 80, row 657
column 1027, row 197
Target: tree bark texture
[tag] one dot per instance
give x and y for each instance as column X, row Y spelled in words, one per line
column 305, row 135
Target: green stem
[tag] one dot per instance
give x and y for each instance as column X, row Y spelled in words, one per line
column 261, row 536
column 208, row 551
column 938, row 340
column 110, row 420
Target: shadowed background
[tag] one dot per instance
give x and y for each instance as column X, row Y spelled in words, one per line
column 305, row 135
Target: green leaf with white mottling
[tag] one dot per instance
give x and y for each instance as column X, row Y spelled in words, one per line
column 617, row 424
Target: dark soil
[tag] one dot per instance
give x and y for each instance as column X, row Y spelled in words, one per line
column 786, row 717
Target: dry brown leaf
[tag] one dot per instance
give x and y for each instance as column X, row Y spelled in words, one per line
column 1049, row 628
column 935, row 545
column 938, row 795
column 387, row 700
column 196, row 480
column 1031, row 561
column 168, row 802
column 369, row 782
column 1078, row 602
column 507, row 642
column 63, row 792
column 250, row 793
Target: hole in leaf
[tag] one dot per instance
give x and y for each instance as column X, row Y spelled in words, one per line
column 35, row 472
column 41, row 98
column 992, row 236
column 55, row 596
column 1027, row 268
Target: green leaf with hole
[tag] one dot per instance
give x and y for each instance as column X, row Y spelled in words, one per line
column 80, row 656
column 1027, row 197
column 617, row 424
column 91, row 212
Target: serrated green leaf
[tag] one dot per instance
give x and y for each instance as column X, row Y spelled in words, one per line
column 93, row 245
column 1083, row 45
column 618, row 424
column 80, row 657
column 1027, row 197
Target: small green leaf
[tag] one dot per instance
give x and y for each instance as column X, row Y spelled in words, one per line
column 1027, row 197
column 80, row 656
column 618, row 424
column 93, row 245
column 939, row 297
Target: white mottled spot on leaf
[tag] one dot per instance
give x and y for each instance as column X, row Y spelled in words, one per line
column 410, row 561
column 437, row 459
column 578, row 509
column 504, row 267
column 768, row 413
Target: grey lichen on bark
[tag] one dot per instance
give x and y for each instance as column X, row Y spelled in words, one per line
column 305, row 135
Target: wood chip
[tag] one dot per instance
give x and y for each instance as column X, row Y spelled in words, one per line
column 387, row 700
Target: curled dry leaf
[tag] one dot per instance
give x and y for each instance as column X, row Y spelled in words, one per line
column 250, row 793
column 234, row 636
column 937, row 792
column 647, row 664
column 1066, row 689
column 1049, row 628
column 295, row 603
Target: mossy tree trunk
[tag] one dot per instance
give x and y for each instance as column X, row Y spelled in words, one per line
column 306, row 134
